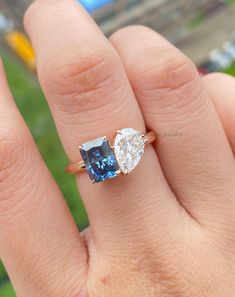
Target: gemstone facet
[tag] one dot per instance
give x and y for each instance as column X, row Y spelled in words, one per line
column 99, row 159
column 129, row 148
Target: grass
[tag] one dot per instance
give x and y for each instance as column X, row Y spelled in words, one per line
column 31, row 103
column 2, row 271
column 6, row 290
column 196, row 21
column 231, row 70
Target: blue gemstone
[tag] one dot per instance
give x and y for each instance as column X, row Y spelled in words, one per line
column 99, row 159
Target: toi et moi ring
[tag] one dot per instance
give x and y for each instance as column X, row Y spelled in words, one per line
column 103, row 161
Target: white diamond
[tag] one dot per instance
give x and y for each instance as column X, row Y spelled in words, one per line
column 129, row 149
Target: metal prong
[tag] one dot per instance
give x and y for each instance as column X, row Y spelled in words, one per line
column 145, row 138
column 74, row 168
column 111, row 145
column 93, row 181
column 125, row 173
column 119, row 172
column 119, row 132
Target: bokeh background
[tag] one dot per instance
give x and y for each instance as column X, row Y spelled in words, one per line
column 203, row 29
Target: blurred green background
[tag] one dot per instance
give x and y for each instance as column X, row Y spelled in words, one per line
column 203, row 29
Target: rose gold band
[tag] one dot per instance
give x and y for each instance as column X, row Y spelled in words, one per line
column 79, row 166
column 75, row 168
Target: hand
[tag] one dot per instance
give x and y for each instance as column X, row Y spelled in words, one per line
column 167, row 229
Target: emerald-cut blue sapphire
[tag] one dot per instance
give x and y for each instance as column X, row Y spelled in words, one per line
column 100, row 160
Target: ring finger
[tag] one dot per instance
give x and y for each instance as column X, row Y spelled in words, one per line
column 90, row 96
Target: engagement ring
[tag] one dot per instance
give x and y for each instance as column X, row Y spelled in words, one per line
column 103, row 161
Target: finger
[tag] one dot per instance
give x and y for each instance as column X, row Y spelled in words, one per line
column 38, row 237
column 221, row 88
column 174, row 101
column 90, row 97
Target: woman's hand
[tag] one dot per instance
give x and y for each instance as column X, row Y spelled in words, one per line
column 167, row 229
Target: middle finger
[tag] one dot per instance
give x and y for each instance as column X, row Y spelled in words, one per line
column 193, row 148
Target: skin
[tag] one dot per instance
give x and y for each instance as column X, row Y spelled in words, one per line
column 168, row 228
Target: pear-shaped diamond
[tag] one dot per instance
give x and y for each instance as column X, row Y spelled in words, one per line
column 129, row 149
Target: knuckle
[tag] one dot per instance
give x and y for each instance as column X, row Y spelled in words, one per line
column 90, row 77
column 172, row 82
column 181, row 73
column 165, row 70
column 174, row 72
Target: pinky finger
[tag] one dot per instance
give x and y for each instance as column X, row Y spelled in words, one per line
column 222, row 90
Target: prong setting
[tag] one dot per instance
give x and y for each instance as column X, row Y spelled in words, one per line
column 119, row 172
